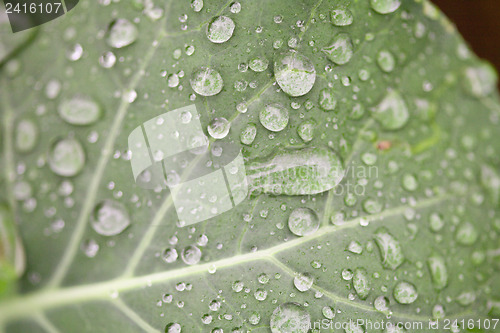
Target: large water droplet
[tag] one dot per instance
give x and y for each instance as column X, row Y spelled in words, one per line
column 361, row 283
column 295, row 73
column 405, row 293
column 109, row 218
column 385, row 6
column 303, row 222
column 392, row 113
column 303, row 171
column 390, row 250
column 79, row 111
column 303, row 281
column 341, row 16
column 438, row 271
column 220, row 29
column 340, row 50
column 191, row 255
column 122, row 33
column 219, row 128
column 248, row 134
column 66, row 157
column 26, row 135
column 206, row 82
column 274, row 117
column 290, row 318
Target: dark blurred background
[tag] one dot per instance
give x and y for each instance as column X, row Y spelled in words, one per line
column 479, row 23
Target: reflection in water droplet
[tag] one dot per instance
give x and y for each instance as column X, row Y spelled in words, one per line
column 206, row 81
column 341, row 16
column 295, row 73
column 290, row 318
column 303, row 222
column 109, row 218
column 122, row 33
column 191, row 255
column 90, row 248
column 303, row 281
column 220, row 29
column 405, row 293
column 410, row 182
column 219, row 128
column 392, row 112
column 66, row 157
column 340, row 50
column 274, row 117
column 381, row 304
column 79, row 110
column 436, row 222
column 385, row 6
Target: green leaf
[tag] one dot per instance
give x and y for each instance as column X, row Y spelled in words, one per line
column 408, row 116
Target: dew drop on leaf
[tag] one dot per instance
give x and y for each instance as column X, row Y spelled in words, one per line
column 306, row 130
column 355, row 247
column 466, row 234
column 107, row 60
column 438, row 312
column 219, row 128
column 361, row 283
column 122, row 33
column 169, row 255
column 303, row 281
column 220, row 29
column 191, row 255
column 385, row 6
column 295, row 73
column 66, row 157
column 274, row 117
column 341, row 16
column 328, row 312
column 436, row 222
column 466, row 298
column 480, row 80
column 381, row 304
column 439, row 273
column 173, row 328
column 248, row 134
column 391, row 253
column 405, row 293
column 109, row 218
column 372, row 206
column 79, row 110
column 347, row 274
column 290, row 318
column 327, row 100
column 197, row 5
column 392, row 112
column 254, row 318
column 22, row 190
column 340, row 49
column 259, row 64
column 410, row 182
column 386, row 61
column 206, row 82
column 303, row 222
column 353, row 327
column 260, row 294
column 90, row 248
column 237, row 286
column 26, row 135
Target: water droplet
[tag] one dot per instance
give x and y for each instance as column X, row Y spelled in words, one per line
column 390, row 250
column 438, row 312
column 109, row 218
column 122, row 33
column 52, row 89
column 173, row 328
column 170, row 255
column 466, row 298
column 290, row 318
column 197, row 5
column 410, row 182
column 254, row 318
column 385, row 6
column 328, row 312
column 22, row 190
column 341, row 17
column 259, row 64
column 392, row 113
column 372, row 206
column 361, row 283
column 303, row 222
column 369, row 158
column 481, row 80
column 490, row 180
column 381, row 304
column 353, row 327
column 237, row 286
column 306, row 130
column 386, row 61
column 327, row 99
column 248, row 134
column 107, row 60
column 90, row 248
column 26, row 135
column 75, row 53
column 347, row 274
column 303, row 281
column 466, row 234
column 191, row 255
column 355, row 247
column 219, row 128
column 206, row 82
column 66, row 157
column 295, row 73
column 263, row 278
column 436, row 222
column 260, row 294
column 340, row 50
column 220, row 29
column 274, row 117
column 235, row 7
column 79, row 110
column 405, row 293
column 173, row 80
column 438, row 271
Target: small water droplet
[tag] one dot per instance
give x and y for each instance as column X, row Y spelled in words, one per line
column 197, row 5
column 122, row 33
column 341, row 17
column 170, row 255
column 392, row 112
column 259, row 64
column 191, row 255
column 303, row 222
column 439, row 273
column 248, row 134
column 66, row 157
column 220, row 29
column 109, row 218
column 340, row 50
column 306, row 130
column 303, row 281
column 386, row 61
column 361, row 283
column 26, row 135
column 327, row 100
column 390, row 249
column 405, row 293
column 206, row 82
column 274, row 117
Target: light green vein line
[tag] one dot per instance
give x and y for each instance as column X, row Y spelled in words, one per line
column 46, row 324
column 24, row 306
column 132, row 315
column 311, row 16
column 107, row 150
column 8, row 145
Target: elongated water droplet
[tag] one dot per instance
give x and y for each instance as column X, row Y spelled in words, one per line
column 219, row 128
column 386, row 61
column 303, row 281
column 341, row 16
column 385, row 6
column 79, row 111
column 306, row 130
column 405, row 293
column 122, row 33
column 274, row 117
column 436, row 222
column 109, row 218
column 220, row 29
column 466, row 234
column 206, row 82
column 303, row 222
column 410, row 182
column 248, row 134
column 191, row 255
column 361, row 283
column 303, row 171
column 66, row 157
column 26, row 135
column 327, row 99
column 340, row 50
column 392, row 113
column 390, row 250
column 295, row 73
column 290, row 318
column 438, row 271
